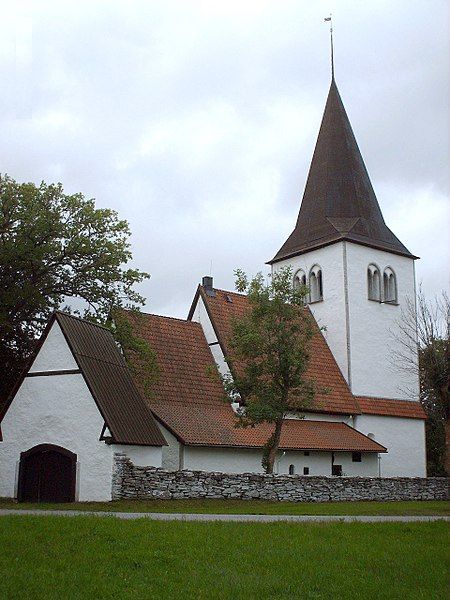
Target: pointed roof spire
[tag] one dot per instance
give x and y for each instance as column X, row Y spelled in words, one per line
column 339, row 202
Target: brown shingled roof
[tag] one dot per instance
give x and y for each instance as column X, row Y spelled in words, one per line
column 339, row 202
column 189, row 400
column 125, row 412
column 323, row 368
column 391, row 408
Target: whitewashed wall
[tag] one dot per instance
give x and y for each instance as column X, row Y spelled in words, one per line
column 240, row 460
column 201, row 316
column 373, row 326
column 172, row 455
column 59, row 409
column 404, row 439
column 144, row 456
column 330, row 312
column 360, row 332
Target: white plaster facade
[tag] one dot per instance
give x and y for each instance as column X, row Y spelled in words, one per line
column 60, row 410
column 242, row 460
column 173, row 453
column 142, row 456
column 404, row 439
column 201, row 316
column 361, row 332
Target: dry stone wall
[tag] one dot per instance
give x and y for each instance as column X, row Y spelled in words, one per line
column 135, row 482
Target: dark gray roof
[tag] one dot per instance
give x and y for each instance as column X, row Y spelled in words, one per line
column 103, row 367
column 339, row 202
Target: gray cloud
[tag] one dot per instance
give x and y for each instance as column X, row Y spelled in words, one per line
column 197, row 121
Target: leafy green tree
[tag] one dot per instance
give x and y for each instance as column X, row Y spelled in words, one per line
column 56, row 250
column 269, row 355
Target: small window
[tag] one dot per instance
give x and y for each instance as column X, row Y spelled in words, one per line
column 305, row 470
column 315, row 284
column 336, row 470
column 373, row 283
column 291, row 469
column 300, row 283
column 299, row 278
column 389, row 286
column 356, row 457
column 306, row 453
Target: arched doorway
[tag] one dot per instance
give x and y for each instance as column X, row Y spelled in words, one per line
column 47, row 473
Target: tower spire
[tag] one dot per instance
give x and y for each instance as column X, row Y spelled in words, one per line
column 329, row 19
column 339, row 202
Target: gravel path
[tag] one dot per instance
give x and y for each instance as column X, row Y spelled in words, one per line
column 225, row 517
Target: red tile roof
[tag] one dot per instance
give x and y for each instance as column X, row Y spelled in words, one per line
column 391, row 408
column 189, row 398
column 323, row 369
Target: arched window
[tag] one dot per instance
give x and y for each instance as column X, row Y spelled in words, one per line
column 291, row 469
column 299, row 278
column 315, row 284
column 389, row 286
column 373, row 283
column 300, row 283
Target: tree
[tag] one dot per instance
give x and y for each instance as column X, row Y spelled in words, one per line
column 269, row 355
column 56, row 250
column 425, row 350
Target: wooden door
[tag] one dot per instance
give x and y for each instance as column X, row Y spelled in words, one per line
column 47, row 473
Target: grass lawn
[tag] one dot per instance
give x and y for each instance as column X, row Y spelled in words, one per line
column 254, row 507
column 86, row 557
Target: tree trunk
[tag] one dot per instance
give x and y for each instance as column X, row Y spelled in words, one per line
column 273, row 446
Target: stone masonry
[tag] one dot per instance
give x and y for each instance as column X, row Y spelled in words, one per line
column 136, row 482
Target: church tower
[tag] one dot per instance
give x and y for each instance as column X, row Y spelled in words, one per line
column 360, row 275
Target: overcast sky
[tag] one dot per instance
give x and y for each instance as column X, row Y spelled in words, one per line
column 197, row 120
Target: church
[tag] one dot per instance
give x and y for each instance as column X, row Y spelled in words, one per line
column 79, row 404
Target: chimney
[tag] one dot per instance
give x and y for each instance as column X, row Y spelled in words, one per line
column 207, row 283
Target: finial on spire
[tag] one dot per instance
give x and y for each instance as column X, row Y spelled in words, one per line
column 329, row 19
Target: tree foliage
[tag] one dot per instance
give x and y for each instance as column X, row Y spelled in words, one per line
column 425, row 350
column 57, row 250
column 139, row 355
column 269, row 355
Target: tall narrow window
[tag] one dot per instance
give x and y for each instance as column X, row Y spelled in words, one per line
column 316, row 284
column 373, row 283
column 300, row 283
column 389, row 286
column 291, row 469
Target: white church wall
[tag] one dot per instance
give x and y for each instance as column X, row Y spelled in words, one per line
column 55, row 354
column 60, row 410
column 373, row 326
column 404, row 439
column 201, row 316
column 145, row 456
column 330, row 312
column 243, row 460
column 226, row 460
column 172, row 454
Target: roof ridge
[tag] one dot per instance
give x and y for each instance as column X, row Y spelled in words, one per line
column 82, row 319
column 387, row 399
column 147, row 314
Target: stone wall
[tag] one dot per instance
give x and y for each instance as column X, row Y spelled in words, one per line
column 135, row 482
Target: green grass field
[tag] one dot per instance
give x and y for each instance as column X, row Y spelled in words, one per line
column 254, row 507
column 87, row 557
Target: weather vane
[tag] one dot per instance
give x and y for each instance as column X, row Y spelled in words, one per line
column 328, row 19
